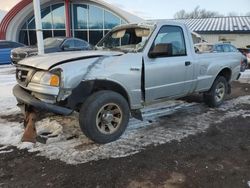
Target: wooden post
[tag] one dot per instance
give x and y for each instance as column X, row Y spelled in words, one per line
column 29, row 124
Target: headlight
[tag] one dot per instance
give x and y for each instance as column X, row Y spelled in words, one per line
column 46, row 78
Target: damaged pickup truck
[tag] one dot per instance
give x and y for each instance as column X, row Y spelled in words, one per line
column 133, row 66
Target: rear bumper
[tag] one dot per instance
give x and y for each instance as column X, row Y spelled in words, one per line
column 27, row 99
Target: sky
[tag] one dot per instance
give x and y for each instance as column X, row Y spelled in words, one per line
column 161, row 9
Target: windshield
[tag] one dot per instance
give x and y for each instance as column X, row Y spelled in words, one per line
column 53, row 42
column 131, row 39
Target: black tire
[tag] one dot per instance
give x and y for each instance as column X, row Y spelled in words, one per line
column 104, row 116
column 214, row 97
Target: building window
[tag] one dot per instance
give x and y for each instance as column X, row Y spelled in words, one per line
column 95, row 36
column 46, row 19
column 88, row 22
column 110, row 20
column 95, row 17
column 91, row 23
column 80, row 17
column 53, row 24
column 58, row 16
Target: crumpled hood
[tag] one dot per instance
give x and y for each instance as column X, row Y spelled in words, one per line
column 46, row 61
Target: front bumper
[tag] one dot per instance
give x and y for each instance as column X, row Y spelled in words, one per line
column 27, row 99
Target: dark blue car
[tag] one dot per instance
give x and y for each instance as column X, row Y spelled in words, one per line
column 5, row 48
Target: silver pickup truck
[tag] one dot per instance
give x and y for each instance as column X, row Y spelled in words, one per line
column 133, row 66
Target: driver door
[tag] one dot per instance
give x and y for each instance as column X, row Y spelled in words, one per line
column 168, row 67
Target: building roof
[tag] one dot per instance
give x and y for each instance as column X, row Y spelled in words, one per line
column 235, row 24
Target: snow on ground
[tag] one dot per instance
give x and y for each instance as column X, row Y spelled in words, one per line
column 66, row 142
column 7, row 81
column 245, row 76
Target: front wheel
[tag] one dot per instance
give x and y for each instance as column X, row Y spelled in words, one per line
column 216, row 95
column 104, row 116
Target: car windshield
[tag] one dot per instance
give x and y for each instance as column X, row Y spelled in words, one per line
column 53, row 42
column 128, row 39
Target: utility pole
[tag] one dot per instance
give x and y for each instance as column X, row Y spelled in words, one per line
column 38, row 21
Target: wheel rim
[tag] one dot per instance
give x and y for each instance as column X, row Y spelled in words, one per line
column 109, row 118
column 220, row 92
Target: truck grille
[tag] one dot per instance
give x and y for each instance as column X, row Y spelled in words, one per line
column 24, row 75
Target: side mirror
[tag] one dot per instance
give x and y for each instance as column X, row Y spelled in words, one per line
column 161, row 50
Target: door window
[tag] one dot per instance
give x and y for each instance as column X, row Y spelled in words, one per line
column 226, row 48
column 69, row 44
column 233, row 49
column 169, row 42
column 80, row 44
column 219, row 48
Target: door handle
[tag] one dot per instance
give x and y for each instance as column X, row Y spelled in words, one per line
column 188, row 63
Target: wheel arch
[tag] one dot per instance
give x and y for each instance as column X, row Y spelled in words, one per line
column 225, row 72
column 113, row 86
column 87, row 88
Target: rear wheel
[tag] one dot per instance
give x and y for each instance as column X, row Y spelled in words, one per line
column 216, row 95
column 104, row 116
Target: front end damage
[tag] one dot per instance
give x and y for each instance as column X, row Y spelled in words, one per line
column 61, row 87
column 35, row 99
column 39, row 89
column 25, row 98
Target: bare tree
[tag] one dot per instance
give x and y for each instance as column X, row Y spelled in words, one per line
column 196, row 13
column 233, row 14
column 180, row 14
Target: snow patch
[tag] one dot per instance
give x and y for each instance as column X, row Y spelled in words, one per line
column 245, row 77
column 10, row 133
column 6, row 151
column 25, row 145
column 4, row 147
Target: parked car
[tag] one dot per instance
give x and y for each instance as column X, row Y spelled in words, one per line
column 133, row 66
column 219, row 48
column 51, row 45
column 5, row 50
column 246, row 53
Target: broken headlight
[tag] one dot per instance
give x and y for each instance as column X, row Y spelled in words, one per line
column 46, row 78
